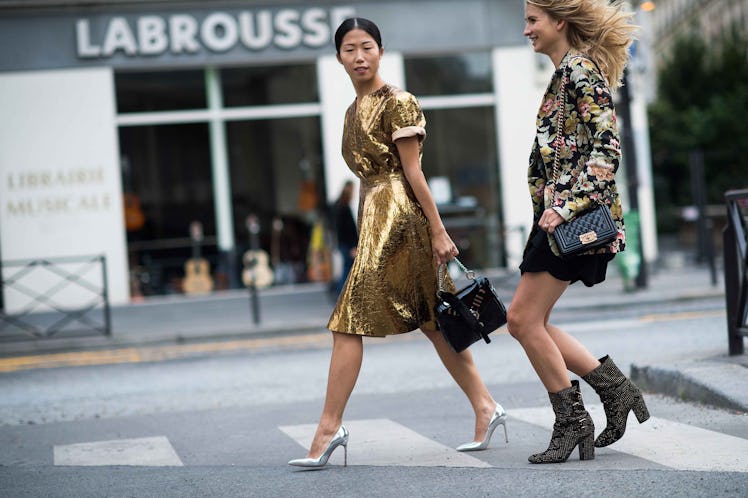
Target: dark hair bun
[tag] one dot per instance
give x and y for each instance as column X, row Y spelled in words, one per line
column 357, row 23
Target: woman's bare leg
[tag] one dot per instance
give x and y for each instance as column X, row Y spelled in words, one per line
column 345, row 364
column 531, row 306
column 462, row 369
column 578, row 359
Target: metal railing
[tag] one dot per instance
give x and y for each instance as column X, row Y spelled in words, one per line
column 736, row 269
column 44, row 297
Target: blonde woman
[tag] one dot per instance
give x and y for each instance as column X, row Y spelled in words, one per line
column 587, row 41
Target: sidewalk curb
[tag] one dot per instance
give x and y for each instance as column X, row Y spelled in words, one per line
column 618, row 302
column 123, row 338
column 703, row 382
column 96, row 343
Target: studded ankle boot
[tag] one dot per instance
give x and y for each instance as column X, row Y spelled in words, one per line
column 573, row 427
column 619, row 396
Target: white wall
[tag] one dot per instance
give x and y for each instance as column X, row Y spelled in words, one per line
column 519, row 86
column 640, row 129
column 60, row 192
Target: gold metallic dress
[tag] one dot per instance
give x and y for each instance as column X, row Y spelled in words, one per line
column 392, row 285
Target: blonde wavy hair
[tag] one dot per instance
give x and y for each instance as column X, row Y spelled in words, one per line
column 598, row 28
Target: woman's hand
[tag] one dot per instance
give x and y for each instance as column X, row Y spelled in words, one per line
column 549, row 220
column 443, row 247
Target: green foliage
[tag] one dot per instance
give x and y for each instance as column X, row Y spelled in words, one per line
column 702, row 104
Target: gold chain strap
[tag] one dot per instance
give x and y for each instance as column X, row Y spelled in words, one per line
column 559, row 126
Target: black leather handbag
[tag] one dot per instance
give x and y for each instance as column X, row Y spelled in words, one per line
column 471, row 313
column 593, row 228
column 590, row 230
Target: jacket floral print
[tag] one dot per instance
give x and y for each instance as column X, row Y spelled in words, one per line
column 589, row 150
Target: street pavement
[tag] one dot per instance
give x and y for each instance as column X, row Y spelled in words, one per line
column 238, row 400
column 293, row 312
column 226, row 424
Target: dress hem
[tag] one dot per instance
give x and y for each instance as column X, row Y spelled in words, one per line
column 430, row 325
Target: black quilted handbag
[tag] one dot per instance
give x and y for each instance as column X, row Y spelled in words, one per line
column 471, row 313
column 591, row 229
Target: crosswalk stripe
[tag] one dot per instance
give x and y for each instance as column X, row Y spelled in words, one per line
column 147, row 452
column 672, row 444
column 382, row 442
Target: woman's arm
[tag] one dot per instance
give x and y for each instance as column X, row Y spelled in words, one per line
column 594, row 110
column 441, row 243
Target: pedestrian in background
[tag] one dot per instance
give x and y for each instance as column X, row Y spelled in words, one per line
column 588, row 41
column 393, row 282
column 346, row 232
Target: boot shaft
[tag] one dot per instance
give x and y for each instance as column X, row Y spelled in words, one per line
column 605, row 377
column 567, row 403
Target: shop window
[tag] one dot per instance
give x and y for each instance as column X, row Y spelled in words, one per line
column 449, row 74
column 460, row 155
column 256, row 86
column 160, row 91
column 277, row 175
column 166, row 178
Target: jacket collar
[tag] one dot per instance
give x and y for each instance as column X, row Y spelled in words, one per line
column 567, row 58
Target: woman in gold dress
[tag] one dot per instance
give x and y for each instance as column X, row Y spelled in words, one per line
column 391, row 288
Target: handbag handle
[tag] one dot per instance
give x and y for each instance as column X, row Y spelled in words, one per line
column 470, row 274
column 559, row 126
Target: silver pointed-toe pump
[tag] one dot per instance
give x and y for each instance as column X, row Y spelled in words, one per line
column 339, row 439
column 498, row 418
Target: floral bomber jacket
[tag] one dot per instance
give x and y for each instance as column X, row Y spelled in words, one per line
column 589, row 150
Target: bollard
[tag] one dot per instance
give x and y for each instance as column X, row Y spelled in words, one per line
column 251, row 264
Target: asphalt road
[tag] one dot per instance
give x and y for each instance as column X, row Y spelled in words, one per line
column 223, row 418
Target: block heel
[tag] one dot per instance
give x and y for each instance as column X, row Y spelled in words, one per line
column 587, row 448
column 640, row 411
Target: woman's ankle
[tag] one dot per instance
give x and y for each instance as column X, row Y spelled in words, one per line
column 329, row 425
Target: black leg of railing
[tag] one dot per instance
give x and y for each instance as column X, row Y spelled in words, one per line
column 254, row 302
column 703, row 224
column 732, row 289
column 105, row 297
column 43, row 302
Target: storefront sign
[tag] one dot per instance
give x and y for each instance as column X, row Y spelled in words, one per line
column 218, row 32
column 60, row 189
column 141, row 35
column 72, row 191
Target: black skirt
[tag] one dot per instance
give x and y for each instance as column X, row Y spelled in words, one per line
column 538, row 257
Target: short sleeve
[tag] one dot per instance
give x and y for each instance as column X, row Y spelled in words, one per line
column 406, row 117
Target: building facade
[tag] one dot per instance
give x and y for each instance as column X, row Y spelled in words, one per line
column 711, row 18
column 125, row 122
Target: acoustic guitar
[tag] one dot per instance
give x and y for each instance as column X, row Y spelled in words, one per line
column 257, row 272
column 197, row 279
